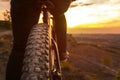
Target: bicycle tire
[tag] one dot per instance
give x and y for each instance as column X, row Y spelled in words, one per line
column 36, row 63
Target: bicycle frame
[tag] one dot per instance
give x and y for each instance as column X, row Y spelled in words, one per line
column 47, row 19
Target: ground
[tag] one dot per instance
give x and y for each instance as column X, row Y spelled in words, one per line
column 86, row 62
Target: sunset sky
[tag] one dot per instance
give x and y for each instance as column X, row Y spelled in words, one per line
column 88, row 16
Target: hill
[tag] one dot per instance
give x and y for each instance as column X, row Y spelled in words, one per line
column 94, row 60
column 87, row 61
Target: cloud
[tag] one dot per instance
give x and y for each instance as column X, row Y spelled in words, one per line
column 101, row 11
column 80, row 3
column 95, row 2
column 115, row 1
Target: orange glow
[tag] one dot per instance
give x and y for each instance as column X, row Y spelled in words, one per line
column 89, row 17
column 99, row 25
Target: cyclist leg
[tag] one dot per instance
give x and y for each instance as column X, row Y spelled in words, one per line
column 24, row 15
column 61, row 28
column 61, row 25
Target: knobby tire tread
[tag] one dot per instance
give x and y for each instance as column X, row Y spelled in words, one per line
column 36, row 61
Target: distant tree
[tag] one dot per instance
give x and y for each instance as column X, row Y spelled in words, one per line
column 6, row 24
column 7, row 16
column 107, row 60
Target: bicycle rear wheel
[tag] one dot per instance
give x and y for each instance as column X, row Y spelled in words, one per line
column 36, row 63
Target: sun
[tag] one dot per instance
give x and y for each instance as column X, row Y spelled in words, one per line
column 78, row 16
column 71, row 18
column 90, row 16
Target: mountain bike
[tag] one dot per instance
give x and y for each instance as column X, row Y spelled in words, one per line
column 41, row 61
